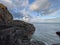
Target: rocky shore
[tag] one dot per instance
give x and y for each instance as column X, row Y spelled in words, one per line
column 15, row 32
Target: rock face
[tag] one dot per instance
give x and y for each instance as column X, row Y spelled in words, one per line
column 14, row 32
column 5, row 15
column 58, row 33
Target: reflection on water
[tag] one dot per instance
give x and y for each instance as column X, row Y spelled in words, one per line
column 46, row 32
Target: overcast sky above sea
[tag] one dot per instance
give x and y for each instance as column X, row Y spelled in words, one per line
column 33, row 9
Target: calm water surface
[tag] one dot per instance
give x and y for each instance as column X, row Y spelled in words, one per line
column 46, row 32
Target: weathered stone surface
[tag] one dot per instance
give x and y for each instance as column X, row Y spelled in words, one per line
column 5, row 16
column 28, row 28
column 14, row 32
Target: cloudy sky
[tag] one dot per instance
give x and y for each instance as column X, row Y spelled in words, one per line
column 33, row 9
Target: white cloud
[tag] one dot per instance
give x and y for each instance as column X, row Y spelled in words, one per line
column 14, row 3
column 50, row 11
column 51, row 18
column 24, row 12
column 9, row 1
column 14, row 6
column 39, row 4
column 44, row 6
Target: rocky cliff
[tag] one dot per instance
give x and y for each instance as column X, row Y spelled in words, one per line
column 14, row 32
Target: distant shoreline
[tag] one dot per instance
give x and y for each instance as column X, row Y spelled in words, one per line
column 43, row 23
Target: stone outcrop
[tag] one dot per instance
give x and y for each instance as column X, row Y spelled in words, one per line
column 58, row 33
column 14, row 32
column 5, row 15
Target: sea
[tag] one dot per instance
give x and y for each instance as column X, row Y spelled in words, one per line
column 46, row 32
